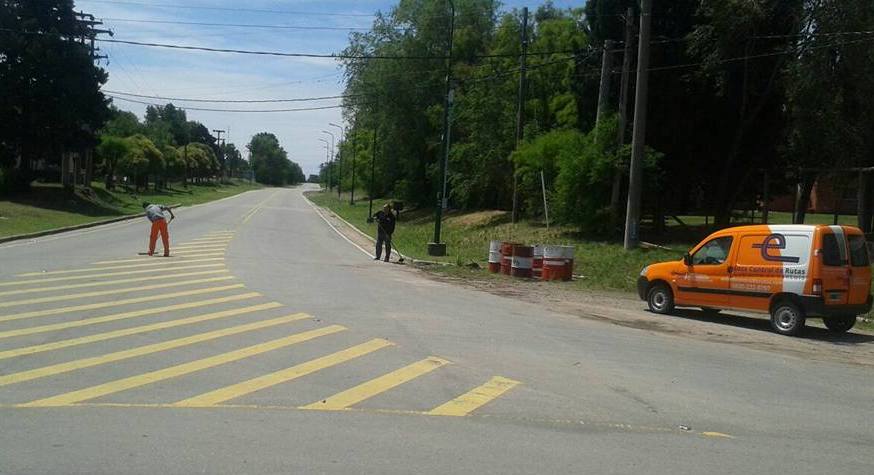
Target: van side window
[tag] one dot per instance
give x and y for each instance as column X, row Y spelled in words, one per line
column 715, row 252
column 858, row 251
column 831, row 253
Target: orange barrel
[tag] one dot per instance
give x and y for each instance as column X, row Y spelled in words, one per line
column 507, row 257
column 553, row 263
column 523, row 257
column 537, row 263
column 568, row 254
column 495, row 257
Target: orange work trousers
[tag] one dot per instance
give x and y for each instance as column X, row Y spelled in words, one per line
column 159, row 226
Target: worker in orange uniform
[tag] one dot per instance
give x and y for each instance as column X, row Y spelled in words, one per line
column 155, row 213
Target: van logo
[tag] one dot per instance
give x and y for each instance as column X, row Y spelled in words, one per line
column 775, row 241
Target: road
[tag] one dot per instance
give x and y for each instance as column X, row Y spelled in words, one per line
column 269, row 344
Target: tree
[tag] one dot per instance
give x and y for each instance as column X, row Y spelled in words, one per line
column 112, row 150
column 51, row 100
column 142, row 157
column 270, row 161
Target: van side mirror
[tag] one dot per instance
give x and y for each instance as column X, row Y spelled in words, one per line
column 687, row 259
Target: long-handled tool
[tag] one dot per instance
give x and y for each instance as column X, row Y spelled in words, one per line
column 400, row 255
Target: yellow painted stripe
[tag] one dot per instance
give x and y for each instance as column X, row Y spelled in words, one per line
column 184, row 255
column 262, row 382
column 116, row 303
column 379, row 385
column 121, row 316
column 142, row 288
column 83, row 363
column 198, row 248
column 164, row 262
column 250, row 215
column 111, row 282
column 179, row 370
column 202, row 242
column 475, row 398
column 108, row 274
column 717, row 434
column 57, row 345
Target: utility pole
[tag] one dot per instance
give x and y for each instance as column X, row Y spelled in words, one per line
column 520, row 108
column 437, row 248
column 606, row 74
column 618, row 174
column 218, row 141
column 331, row 159
column 352, row 188
column 372, row 173
column 635, row 180
column 339, row 158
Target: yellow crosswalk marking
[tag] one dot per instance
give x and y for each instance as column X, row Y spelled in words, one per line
column 60, row 368
column 116, row 303
column 371, row 388
column 179, row 370
column 202, row 242
column 164, row 262
column 121, row 316
column 108, row 274
column 185, row 255
column 475, row 398
column 57, row 345
column 110, row 282
column 262, row 382
column 98, row 293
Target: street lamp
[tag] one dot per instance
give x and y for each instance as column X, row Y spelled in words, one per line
column 339, row 158
column 438, row 248
column 327, row 158
column 330, row 160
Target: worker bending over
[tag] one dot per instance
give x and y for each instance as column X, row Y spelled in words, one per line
column 155, row 213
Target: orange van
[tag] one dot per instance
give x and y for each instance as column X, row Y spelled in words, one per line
column 792, row 272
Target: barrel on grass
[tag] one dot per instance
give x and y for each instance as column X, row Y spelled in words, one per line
column 495, row 257
column 523, row 257
column 507, row 256
column 553, row 263
column 537, row 263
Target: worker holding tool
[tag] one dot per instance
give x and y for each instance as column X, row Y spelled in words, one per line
column 155, row 213
column 385, row 224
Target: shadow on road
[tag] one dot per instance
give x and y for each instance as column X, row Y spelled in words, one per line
column 762, row 324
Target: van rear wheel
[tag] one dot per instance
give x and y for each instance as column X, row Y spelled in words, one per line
column 840, row 324
column 660, row 299
column 787, row 318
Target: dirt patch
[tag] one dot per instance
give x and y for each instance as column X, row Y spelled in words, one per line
column 480, row 218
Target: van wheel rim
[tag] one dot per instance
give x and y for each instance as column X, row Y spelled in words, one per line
column 659, row 300
column 786, row 318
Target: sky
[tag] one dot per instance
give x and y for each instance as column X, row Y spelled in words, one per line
column 223, row 76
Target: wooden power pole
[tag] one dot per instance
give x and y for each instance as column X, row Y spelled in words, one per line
column 606, row 73
column 520, row 108
column 615, row 196
column 635, row 178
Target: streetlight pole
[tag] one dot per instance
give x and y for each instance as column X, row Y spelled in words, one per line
column 339, row 158
column 331, row 159
column 437, row 248
column 327, row 154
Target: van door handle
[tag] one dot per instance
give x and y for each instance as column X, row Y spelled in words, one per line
column 730, row 269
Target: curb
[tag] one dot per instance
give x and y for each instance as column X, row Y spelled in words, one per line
column 94, row 224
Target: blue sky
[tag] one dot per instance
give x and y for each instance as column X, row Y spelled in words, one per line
column 192, row 74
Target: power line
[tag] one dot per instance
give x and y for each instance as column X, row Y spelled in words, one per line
column 238, row 25
column 228, row 9
column 230, row 101
column 302, row 109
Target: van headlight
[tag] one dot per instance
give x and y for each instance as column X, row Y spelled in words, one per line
column 643, row 272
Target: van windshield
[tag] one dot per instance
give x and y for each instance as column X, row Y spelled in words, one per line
column 858, row 251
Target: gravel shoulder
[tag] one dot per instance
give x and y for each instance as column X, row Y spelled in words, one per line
column 625, row 309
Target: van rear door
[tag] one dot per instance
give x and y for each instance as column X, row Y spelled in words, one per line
column 860, row 268
column 835, row 271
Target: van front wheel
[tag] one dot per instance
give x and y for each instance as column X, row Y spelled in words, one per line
column 660, row 299
column 787, row 318
column 840, row 324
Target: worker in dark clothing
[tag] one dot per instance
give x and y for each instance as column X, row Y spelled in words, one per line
column 385, row 226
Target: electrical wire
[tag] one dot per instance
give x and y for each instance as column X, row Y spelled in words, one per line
column 230, row 101
column 250, row 111
column 237, row 25
column 228, row 9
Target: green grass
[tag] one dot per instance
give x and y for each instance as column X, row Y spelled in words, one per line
column 48, row 206
column 604, row 265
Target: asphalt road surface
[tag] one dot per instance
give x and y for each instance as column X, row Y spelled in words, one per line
column 268, row 344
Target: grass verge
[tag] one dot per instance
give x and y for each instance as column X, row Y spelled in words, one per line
column 603, row 265
column 48, row 206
